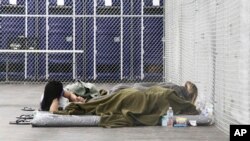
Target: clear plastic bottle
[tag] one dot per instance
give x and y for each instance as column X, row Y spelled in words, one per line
column 170, row 117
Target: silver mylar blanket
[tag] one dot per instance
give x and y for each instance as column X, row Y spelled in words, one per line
column 46, row 119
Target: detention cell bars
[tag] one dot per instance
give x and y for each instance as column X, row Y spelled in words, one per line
column 100, row 40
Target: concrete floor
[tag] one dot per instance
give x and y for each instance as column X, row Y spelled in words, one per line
column 15, row 97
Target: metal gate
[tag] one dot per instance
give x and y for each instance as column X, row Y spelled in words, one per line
column 98, row 41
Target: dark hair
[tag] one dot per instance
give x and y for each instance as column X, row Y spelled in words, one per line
column 52, row 90
column 192, row 90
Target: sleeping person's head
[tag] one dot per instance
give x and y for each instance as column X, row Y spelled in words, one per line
column 52, row 90
column 192, row 91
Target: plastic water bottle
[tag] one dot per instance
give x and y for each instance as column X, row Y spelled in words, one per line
column 167, row 119
column 170, row 117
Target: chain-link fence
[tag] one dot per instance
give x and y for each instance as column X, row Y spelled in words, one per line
column 91, row 40
column 207, row 42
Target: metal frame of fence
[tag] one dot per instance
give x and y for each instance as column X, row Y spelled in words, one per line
column 207, row 42
column 52, row 22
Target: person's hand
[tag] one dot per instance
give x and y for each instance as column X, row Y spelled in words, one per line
column 80, row 99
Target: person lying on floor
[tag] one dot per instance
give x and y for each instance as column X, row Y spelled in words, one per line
column 56, row 97
column 132, row 107
column 187, row 92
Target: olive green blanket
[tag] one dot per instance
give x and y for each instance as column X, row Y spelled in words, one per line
column 131, row 107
